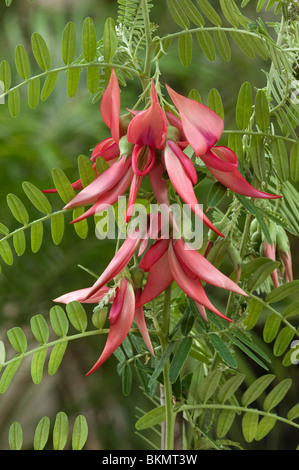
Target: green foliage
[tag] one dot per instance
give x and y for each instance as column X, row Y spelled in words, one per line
column 202, row 361
column 60, row 433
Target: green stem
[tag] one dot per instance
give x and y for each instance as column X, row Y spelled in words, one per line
column 170, row 415
column 69, row 67
column 148, row 37
column 206, row 406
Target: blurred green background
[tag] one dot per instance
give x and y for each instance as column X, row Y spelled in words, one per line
column 54, row 135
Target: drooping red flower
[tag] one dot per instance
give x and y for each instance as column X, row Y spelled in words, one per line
column 174, row 260
column 202, row 129
column 147, row 131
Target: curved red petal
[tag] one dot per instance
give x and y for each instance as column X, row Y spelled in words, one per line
column 143, row 153
column 80, row 296
column 153, row 254
column 221, row 158
column 118, row 301
column 192, row 287
column 202, row 126
column 119, row 330
column 203, row 269
column 185, row 161
column 159, row 278
column 102, row 184
column 183, row 186
column 140, row 322
column 110, row 106
column 108, row 199
column 118, row 262
column 234, row 181
column 107, row 149
column 149, row 127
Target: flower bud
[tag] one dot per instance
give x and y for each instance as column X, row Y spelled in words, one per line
column 212, row 236
column 282, row 241
column 125, row 147
column 99, row 317
column 173, row 133
column 124, row 122
column 137, row 276
column 256, row 240
column 254, row 226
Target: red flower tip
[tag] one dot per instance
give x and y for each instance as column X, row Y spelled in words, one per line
column 149, row 127
column 110, row 106
column 202, row 126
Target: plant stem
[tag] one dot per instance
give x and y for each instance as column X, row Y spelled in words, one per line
column 148, row 37
column 170, row 415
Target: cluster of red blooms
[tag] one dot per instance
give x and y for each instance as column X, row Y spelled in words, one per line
column 153, row 144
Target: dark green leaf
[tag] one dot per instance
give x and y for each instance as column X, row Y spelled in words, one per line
column 209, row 385
column 225, row 421
column 256, row 389
column 283, row 340
column 126, row 379
column 179, row 359
column 271, row 327
column 230, row 387
column 283, row 291
column 281, row 160
column 151, row 419
column 223, row 350
column 294, row 163
column 277, row 394
column 265, row 425
column 249, row 425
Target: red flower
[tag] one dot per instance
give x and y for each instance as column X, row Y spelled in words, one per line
column 166, row 261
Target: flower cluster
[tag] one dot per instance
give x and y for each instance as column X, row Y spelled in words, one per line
column 152, row 143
